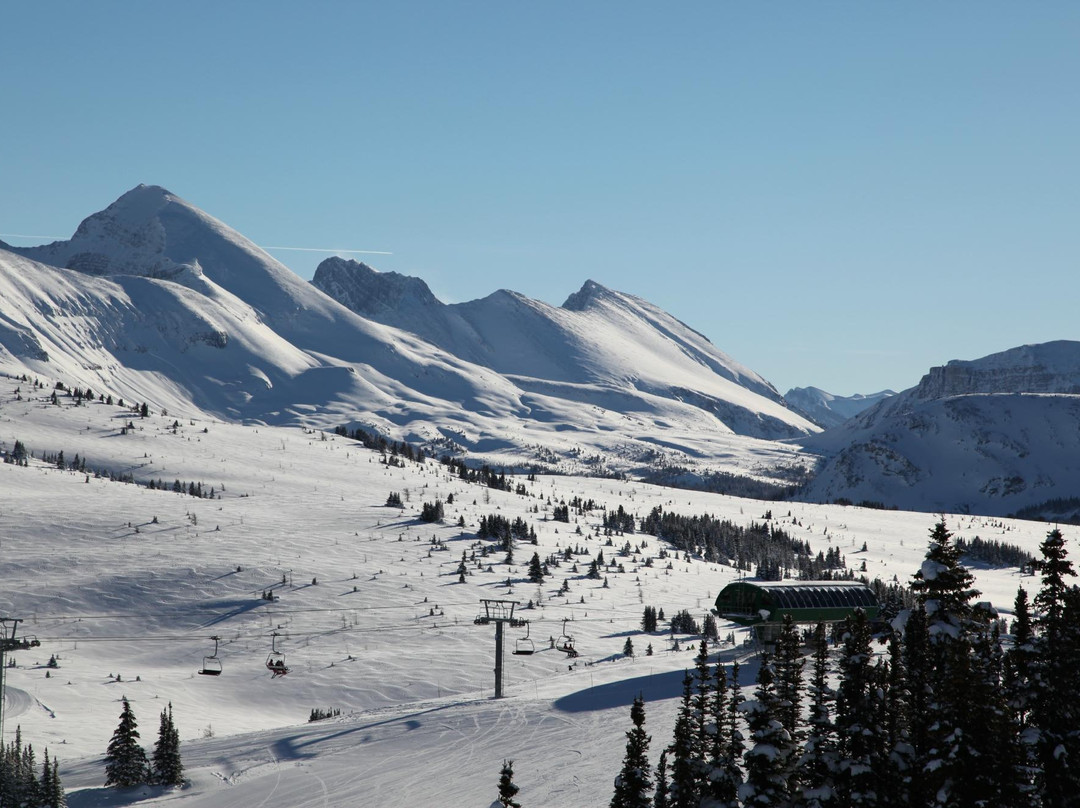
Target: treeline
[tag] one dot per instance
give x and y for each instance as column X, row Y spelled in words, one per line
column 1065, row 510
column 761, row 546
column 723, row 482
column 20, row 783
column 485, row 475
column 373, row 440
column 994, row 553
column 951, row 714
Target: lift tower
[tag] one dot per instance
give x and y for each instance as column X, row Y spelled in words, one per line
column 499, row 612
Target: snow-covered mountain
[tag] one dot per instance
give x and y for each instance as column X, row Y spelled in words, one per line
column 828, row 410
column 598, row 338
column 993, row 435
column 153, row 299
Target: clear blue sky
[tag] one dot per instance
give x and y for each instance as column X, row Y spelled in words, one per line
column 836, row 194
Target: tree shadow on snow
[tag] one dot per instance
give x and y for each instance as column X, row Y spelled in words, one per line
column 653, row 687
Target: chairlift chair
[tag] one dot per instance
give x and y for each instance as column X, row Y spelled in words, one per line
column 565, row 643
column 211, row 665
column 275, row 660
column 525, row 646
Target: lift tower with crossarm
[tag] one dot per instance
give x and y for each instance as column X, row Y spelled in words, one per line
column 499, row 612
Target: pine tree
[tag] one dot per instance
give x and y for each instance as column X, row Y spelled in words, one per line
column 628, row 647
column 661, row 798
column 723, row 775
column 1055, row 713
column 856, row 715
column 507, row 789
column 943, row 587
column 789, row 667
column 633, row 784
column 125, row 760
column 684, row 753
column 816, row 767
column 536, row 570
column 168, row 768
column 768, row 759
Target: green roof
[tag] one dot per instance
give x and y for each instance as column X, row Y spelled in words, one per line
column 754, row 602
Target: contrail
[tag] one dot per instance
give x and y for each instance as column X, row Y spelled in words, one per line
column 21, row 235
column 322, row 249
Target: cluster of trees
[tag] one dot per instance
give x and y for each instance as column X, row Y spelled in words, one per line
column 485, row 475
column 125, row 760
column 373, row 440
column 950, row 715
column 619, row 520
column 192, row 489
column 760, row 545
column 504, row 531
column 994, row 553
column 20, row 784
column 432, row 511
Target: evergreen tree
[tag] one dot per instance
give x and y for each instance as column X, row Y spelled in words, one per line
column 723, row 775
column 661, row 798
column 816, row 767
column 536, row 569
column 684, row 752
column 125, row 760
column 788, row 665
column 628, row 647
column 1055, row 713
column 768, row 761
column 633, row 784
column 943, row 587
column 507, row 789
column 856, row 716
column 167, row 766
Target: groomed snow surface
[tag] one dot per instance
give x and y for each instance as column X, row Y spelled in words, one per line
column 126, row 585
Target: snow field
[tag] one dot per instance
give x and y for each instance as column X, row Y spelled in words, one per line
column 109, row 590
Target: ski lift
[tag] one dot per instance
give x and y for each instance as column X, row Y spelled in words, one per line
column 525, row 646
column 275, row 660
column 211, row 665
column 565, row 643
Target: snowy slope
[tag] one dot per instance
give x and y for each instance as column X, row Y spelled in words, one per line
column 828, row 410
column 210, row 323
column 992, row 436
column 116, row 579
column 598, row 337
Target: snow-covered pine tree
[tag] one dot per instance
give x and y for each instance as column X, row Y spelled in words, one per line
column 125, row 760
column 788, row 665
column 943, row 587
column 633, row 784
column 168, row 768
column 1055, row 713
column 768, row 760
column 857, row 731
column 507, row 789
column 682, row 791
column 723, row 775
column 816, row 766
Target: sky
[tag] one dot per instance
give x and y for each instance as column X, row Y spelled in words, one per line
column 836, row 194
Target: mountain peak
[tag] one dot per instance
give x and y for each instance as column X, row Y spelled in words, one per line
column 369, row 292
column 590, row 292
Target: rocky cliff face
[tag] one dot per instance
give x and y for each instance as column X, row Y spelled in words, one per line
column 369, row 292
column 1052, row 367
column 993, row 435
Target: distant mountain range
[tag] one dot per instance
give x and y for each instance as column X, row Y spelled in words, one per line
column 153, row 299
column 997, row 435
column 828, row 410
